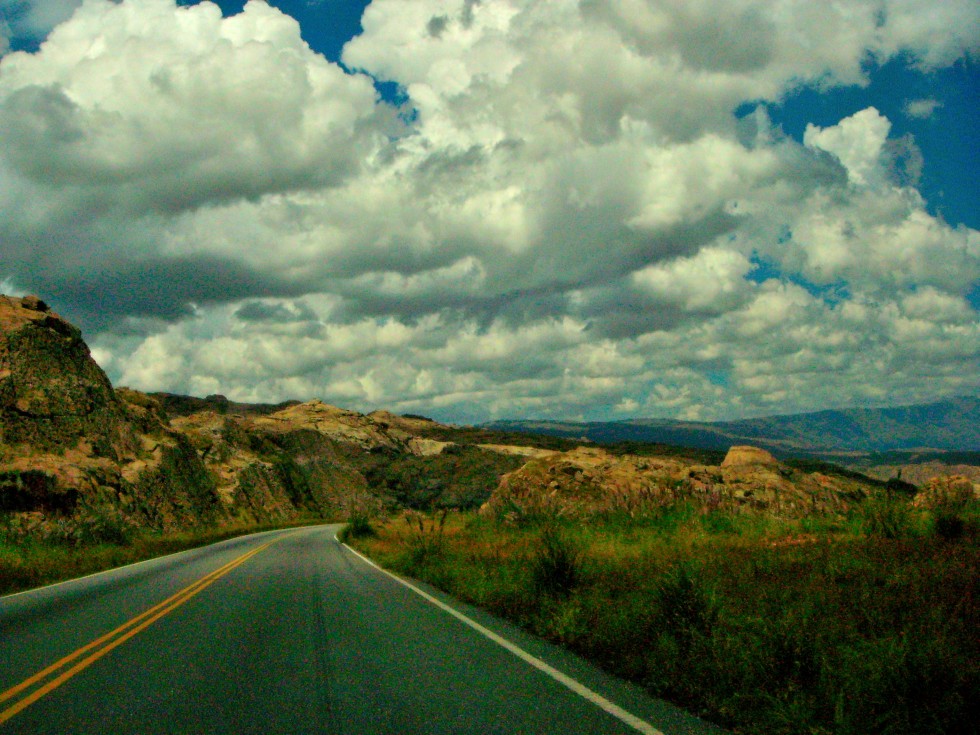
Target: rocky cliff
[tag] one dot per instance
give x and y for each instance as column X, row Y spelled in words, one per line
column 74, row 450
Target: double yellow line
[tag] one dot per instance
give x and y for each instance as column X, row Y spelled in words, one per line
column 102, row 645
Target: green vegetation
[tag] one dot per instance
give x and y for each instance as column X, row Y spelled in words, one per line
column 459, row 477
column 358, row 526
column 100, row 542
column 846, row 625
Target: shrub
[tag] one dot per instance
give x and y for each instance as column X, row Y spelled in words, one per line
column 555, row 565
column 426, row 541
column 358, row 526
column 886, row 517
column 949, row 526
column 102, row 525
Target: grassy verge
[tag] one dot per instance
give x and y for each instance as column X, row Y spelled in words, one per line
column 856, row 625
column 28, row 564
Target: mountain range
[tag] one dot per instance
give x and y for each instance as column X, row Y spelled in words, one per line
column 949, row 425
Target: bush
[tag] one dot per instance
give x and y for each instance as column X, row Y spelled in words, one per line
column 886, row 517
column 686, row 605
column 103, row 526
column 555, row 565
column 426, row 541
column 358, row 526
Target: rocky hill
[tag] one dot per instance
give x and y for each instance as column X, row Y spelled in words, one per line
column 72, row 446
column 589, row 481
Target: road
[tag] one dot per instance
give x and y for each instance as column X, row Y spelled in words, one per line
column 291, row 632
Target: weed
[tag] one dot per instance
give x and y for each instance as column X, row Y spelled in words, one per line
column 426, row 539
column 719, row 522
column 686, row 605
column 768, row 626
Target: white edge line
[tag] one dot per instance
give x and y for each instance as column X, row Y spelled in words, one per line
column 583, row 691
column 133, row 564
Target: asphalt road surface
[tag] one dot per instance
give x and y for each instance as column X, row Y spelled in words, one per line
column 291, row 632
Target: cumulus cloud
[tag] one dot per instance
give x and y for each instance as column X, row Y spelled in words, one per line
column 565, row 218
column 150, row 107
column 857, row 142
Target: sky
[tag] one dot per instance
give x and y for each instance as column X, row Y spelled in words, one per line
column 598, row 210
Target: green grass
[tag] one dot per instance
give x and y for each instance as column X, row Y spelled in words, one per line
column 865, row 624
column 28, row 563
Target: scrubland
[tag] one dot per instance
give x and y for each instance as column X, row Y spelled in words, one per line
column 854, row 624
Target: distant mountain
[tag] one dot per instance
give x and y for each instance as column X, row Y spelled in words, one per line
column 947, row 425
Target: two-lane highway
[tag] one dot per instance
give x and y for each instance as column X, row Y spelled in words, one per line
column 290, row 632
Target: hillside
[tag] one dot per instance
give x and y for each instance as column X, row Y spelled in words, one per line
column 952, row 425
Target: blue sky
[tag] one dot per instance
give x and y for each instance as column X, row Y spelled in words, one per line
column 482, row 210
column 949, row 138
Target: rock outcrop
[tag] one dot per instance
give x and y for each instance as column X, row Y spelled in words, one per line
column 73, row 447
column 267, row 468
column 75, row 450
column 52, row 393
column 587, row 481
column 748, row 457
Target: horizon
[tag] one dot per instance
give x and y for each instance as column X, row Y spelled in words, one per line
column 540, row 419
column 588, row 211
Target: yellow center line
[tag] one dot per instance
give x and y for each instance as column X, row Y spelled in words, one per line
column 13, row 691
column 147, row 617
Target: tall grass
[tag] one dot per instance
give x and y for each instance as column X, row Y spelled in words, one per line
column 826, row 625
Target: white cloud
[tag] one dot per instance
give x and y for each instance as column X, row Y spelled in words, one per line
column 569, row 226
column 36, row 18
column 157, row 108
column 857, row 142
column 922, row 109
column 713, row 281
column 936, row 34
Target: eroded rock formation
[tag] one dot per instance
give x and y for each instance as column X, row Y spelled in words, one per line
column 587, row 481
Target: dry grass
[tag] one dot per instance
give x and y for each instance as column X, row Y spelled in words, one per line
column 864, row 624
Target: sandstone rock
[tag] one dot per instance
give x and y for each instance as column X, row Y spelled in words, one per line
column 52, row 393
column 337, row 423
column 69, row 442
column 745, row 456
column 588, row 481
